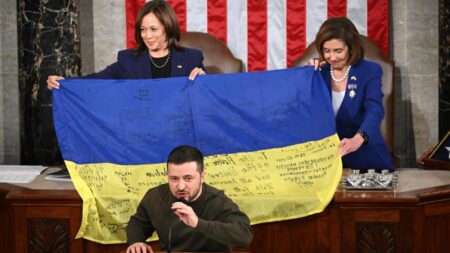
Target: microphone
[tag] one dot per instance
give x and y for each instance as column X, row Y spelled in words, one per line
column 169, row 244
column 184, row 201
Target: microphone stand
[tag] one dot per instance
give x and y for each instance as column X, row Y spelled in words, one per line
column 169, row 245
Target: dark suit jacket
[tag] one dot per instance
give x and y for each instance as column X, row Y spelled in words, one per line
column 364, row 111
column 129, row 66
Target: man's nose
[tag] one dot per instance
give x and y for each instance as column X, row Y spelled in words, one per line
column 181, row 185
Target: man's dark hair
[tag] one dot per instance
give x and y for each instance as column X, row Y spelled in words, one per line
column 166, row 15
column 183, row 154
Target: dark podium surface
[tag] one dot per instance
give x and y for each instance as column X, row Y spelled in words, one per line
column 44, row 216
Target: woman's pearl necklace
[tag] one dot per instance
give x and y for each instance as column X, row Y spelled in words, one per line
column 341, row 79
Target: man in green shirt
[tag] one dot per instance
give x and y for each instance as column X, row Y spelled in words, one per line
column 186, row 213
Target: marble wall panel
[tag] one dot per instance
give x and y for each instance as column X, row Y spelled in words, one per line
column 9, row 98
column 87, row 37
column 444, row 70
column 109, row 32
column 424, row 103
column 415, row 43
column 402, row 112
column 11, row 129
column 49, row 44
column 2, row 124
column 422, row 63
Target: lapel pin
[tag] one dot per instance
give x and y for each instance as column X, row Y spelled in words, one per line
column 352, row 94
column 179, row 66
column 353, row 78
column 352, row 86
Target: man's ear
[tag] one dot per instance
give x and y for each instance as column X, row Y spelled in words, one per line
column 202, row 176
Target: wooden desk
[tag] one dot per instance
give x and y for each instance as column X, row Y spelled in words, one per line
column 416, row 218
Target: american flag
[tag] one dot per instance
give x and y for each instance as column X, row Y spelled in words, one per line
column 271, row 34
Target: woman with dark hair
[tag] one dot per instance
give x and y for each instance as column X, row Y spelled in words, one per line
column 157, row 54
column 355, row 87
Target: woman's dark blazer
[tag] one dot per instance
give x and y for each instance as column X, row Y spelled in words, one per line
column 129, row 66
column 363, row 112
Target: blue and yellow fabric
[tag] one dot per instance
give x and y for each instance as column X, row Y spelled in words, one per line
column 269, row 139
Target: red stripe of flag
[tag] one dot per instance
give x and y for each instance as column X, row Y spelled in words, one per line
column 295, row 29
column 179, row 6
column 217, row 19
column 131, row 8
column 337, row 8
column 378, row 23
column 257, row 34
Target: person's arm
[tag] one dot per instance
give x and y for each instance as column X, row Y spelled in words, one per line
column 230, row 226
column 197, row 65
column 373, row 104
column 373, row 113
column 113, row 71
column 139, row 226
column 110, row 72
column 234, row 229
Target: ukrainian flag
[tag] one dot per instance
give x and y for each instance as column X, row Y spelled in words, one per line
column 269, row 139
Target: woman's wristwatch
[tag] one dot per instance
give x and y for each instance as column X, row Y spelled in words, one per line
column 365, row 137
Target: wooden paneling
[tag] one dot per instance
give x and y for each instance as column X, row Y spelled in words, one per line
column 417, row 221
column 437, row 227
column 48, row 235
column 6, row 224
column 370, row 230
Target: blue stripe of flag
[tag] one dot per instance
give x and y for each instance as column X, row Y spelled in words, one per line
column 141, row 121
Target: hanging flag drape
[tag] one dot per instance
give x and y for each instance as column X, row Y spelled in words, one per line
column 271, row 34
column 269, row 139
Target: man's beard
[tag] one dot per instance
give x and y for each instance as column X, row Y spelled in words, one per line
column 196, row 194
